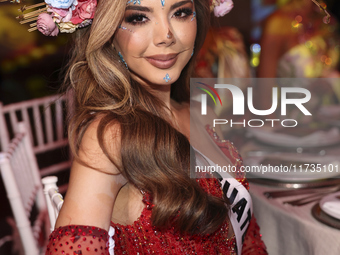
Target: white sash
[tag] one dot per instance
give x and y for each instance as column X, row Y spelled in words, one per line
column 241, row 208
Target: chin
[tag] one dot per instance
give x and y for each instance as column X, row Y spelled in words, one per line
column 173, row 78
column 159, row 77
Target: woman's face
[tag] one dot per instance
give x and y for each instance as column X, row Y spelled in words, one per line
column 156, row 39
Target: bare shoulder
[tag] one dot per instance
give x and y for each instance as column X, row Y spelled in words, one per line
column 102, row 156
column 95, row 180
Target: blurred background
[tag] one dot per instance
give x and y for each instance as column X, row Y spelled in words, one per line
column 244, row 43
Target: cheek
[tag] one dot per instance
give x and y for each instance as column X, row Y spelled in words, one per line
column 187, row 33
column 130, row 42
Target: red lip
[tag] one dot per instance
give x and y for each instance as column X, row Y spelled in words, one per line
column 162, row 61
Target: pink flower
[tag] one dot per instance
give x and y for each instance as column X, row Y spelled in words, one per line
column 84, row 10
column 46, row 25
column 60, row 15
column 224, row 7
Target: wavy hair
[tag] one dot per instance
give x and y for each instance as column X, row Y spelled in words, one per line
column 155, row 156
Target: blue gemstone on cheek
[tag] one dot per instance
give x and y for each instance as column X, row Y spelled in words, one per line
column 193, row 16
column 125, row 28
column 123, row 60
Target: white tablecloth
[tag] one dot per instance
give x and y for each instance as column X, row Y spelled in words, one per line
column 290, row 230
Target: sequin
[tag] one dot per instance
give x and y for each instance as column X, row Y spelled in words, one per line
column 68, row 235
column 171, row 241
column 151, row 240
column 142, row 238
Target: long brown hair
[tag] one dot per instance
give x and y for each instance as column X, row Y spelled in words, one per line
column 155, row 156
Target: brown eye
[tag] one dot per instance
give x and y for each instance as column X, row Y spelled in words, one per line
column 183, row 13
column 136, row 19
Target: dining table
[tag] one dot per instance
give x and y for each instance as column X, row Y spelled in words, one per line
column 288, row 229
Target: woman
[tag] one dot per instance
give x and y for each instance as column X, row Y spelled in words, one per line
column 298, row 42
column 130, row 137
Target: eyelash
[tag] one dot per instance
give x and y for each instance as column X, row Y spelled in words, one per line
column 140, row 18
column 133, row 19
column 187, row 12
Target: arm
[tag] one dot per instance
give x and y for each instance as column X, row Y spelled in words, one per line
column 88, row 205
column 253, row 243
column 276, row 32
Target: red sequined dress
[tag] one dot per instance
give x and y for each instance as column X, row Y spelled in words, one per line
column 142, row 238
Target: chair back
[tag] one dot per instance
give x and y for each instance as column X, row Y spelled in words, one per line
column 45, row 119
column 20, row 174
column 54, row 199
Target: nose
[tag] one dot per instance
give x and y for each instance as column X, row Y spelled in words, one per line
column 163, row 34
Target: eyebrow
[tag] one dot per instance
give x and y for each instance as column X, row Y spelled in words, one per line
column 147, row 9
column 174, row 6
column 139, row 8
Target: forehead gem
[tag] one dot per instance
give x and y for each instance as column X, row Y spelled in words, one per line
column 163, row 3
column 133, row 2
column 167, row 78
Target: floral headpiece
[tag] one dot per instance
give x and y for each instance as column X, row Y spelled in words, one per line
column 221, row 7
column 54, row 16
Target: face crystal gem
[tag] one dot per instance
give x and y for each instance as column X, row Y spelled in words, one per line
column 167, row 78
column 193, row 16
column 163, row 3
column 122, row 59
column 140, row 55
column 169, row 34
column 125, row 28
column 133, row 2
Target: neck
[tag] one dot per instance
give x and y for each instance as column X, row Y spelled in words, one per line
column 162, row 92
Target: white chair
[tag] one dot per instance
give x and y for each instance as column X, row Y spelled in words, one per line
column 20, row 173
column 54, row 199
column 45, row 119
